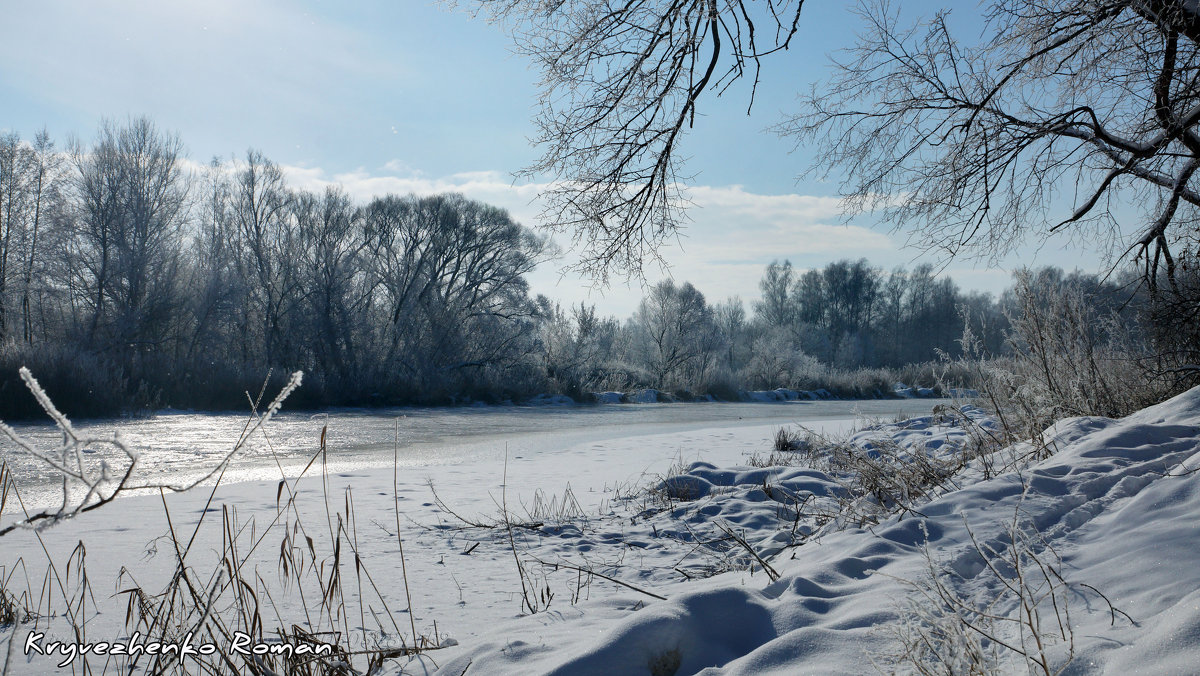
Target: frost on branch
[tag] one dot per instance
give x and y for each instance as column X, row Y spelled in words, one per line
column 86, row 483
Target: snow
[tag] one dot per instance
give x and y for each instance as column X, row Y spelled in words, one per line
column 1115, row 502
column 1113, row 508
column 551, row 400
column 647, row 396
column 902, row 390
column 784, row 394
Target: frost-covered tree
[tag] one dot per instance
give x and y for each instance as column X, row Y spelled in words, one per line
column 268, row 248
column 1056, row 117
column 578, row 347
column 1061, row 112
column 30, row 183
column 130, row 208
column 730, row 316
column 776, row 307
column 851, row 314
column 331, row 270
column 451, row 289
column 679, row 336
column 16, row 162
column 1062, row 117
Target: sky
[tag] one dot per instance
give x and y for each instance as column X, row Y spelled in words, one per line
column 382, row 96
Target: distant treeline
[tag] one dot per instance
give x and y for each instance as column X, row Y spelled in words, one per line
column 129, row 282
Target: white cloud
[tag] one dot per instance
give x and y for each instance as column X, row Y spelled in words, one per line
column 766, row 208
column 731, row 236
column 486, row 186
column 401, row 167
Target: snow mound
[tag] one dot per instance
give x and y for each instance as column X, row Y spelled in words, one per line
column 1117, row 501
column 647, row 396
column 906, row 392
column 551, row 400
column 784, row 394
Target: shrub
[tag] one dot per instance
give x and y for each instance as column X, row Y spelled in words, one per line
column 81, row 383
column 1071, row 356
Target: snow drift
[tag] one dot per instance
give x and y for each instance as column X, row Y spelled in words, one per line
column 1113, row 512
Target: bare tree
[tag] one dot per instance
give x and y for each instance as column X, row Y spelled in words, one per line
column 1062, row 112
column 621, row 82
column 332, row 240
column 216, row 290
column 398, row 245
column 16, row 160
column 29, row 179
column 851, row 314
column 931, row 318
column 46, row 184
column 730, row 317
column 267, row 242
column 451, row 279
column 680, row 334
column 131, row 197
column 1059, row 113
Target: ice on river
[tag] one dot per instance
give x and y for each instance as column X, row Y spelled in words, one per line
column 1112, row 511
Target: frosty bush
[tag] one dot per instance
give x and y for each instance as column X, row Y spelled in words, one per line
column 1075, row 351
column 1078, row 358
column 776, row 361
column 1021, row 612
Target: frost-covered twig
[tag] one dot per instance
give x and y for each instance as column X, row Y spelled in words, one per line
column 728, row 530
column 87, row 485
column 591, row 571
column 1021, row 611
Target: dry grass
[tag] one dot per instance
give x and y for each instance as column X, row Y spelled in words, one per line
column 1022, row 614
column 553, row 508
column 516, row 536
column 313, row 605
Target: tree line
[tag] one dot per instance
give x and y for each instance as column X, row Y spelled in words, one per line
column 850, row 328
column 130, row 279
column 972, row 143
column 127, row 277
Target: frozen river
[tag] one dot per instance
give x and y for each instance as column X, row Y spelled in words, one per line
column 175, row 448
column 477, row 459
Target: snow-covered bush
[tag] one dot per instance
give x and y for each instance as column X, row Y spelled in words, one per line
column 1072, row 355
column 1015, row 609
column 777, row 361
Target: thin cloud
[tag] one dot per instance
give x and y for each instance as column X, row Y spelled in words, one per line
column 766, row 208
column 732, row 235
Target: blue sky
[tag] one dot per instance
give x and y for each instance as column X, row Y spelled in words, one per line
column 398, row 96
